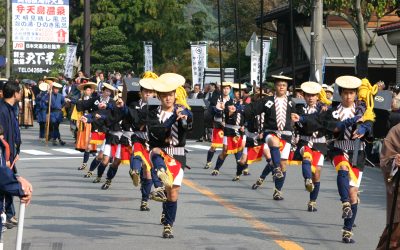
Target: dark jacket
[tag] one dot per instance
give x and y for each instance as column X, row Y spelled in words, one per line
column 199, row 95
column 160, row 132
column 10, row 126
column 9, row 183
column 267, row 105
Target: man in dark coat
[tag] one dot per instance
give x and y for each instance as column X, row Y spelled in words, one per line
column 390, row 162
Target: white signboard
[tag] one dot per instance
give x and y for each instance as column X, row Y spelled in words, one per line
column 69, row 60
column 45, row 21
column 148, row 57
column 199, row 63
column 36, row 58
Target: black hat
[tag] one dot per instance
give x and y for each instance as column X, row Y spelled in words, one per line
column 3, row 81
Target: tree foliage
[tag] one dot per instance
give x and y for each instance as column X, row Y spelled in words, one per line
column 358, row 14
column 161, row 21
column 110, row 51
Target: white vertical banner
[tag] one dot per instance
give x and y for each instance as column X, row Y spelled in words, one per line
column 255, row 61
column 199, row 62
column 266, row 51
column 254, row 67
column 148, row 56
column 70, row 55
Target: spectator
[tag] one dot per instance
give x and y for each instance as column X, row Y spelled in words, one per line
column 100, row 83
column 96, row 77
column 196, row 93
column 212, row 95
column 128, row 79
column 8, row 121
column 298, row 93
column 118, row 80
column 389, row 163
column 2, row 82
column 381, row 85
column 62, row 80
column 329, row 93
column 80, row 75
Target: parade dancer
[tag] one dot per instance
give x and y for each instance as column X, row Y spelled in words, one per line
column 277, row 131
column 140, row 167
column 101, row 106
column 312, row 141
column 217, row 137
column 231, row 113
column 84, row 130
column 167, row 128
column 354, row 117
column 118, row 139
column 252, row 139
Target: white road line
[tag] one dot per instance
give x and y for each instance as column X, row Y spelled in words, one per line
column 34, row 152
column 51, row 158
column 69, row 151
column 200, row 147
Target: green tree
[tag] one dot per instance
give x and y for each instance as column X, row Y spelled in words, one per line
column 58, row 62
column 161, row 21
column 109, row 51
column 357, row 13
column 247, row 12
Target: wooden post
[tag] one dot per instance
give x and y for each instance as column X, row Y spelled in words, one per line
column 48, row 114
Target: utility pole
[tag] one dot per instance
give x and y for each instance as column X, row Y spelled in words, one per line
column 86, row 40
column 293, row 58
column 8, row 38
column 316, row 42
column 221, row 70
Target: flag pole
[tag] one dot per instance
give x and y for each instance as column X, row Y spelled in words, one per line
column 261, row 45
column 219, row 45
column 237, row 47
column 20, row 230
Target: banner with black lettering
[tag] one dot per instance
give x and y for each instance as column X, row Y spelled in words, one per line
column 69, row 60
column 255, row 61
column 148, row 56
column 199, row 62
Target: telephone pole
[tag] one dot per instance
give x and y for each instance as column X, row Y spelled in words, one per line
column 86, row 40
column 316, row 42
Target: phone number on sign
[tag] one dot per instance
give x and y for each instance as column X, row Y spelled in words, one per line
column 32, row 70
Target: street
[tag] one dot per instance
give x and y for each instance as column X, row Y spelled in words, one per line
column 70, row 212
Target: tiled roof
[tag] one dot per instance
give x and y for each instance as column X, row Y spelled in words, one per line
column 388, row 28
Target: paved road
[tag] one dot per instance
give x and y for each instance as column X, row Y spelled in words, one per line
column 70, row 212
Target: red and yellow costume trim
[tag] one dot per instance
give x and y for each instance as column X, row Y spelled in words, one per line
column 254, row 154
column 217, row 138
column 354, row 173
column 124, row 154
column 173, row 166
column 313, row 155
column 140, row 150
column 97, row 138
column 233, row 144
